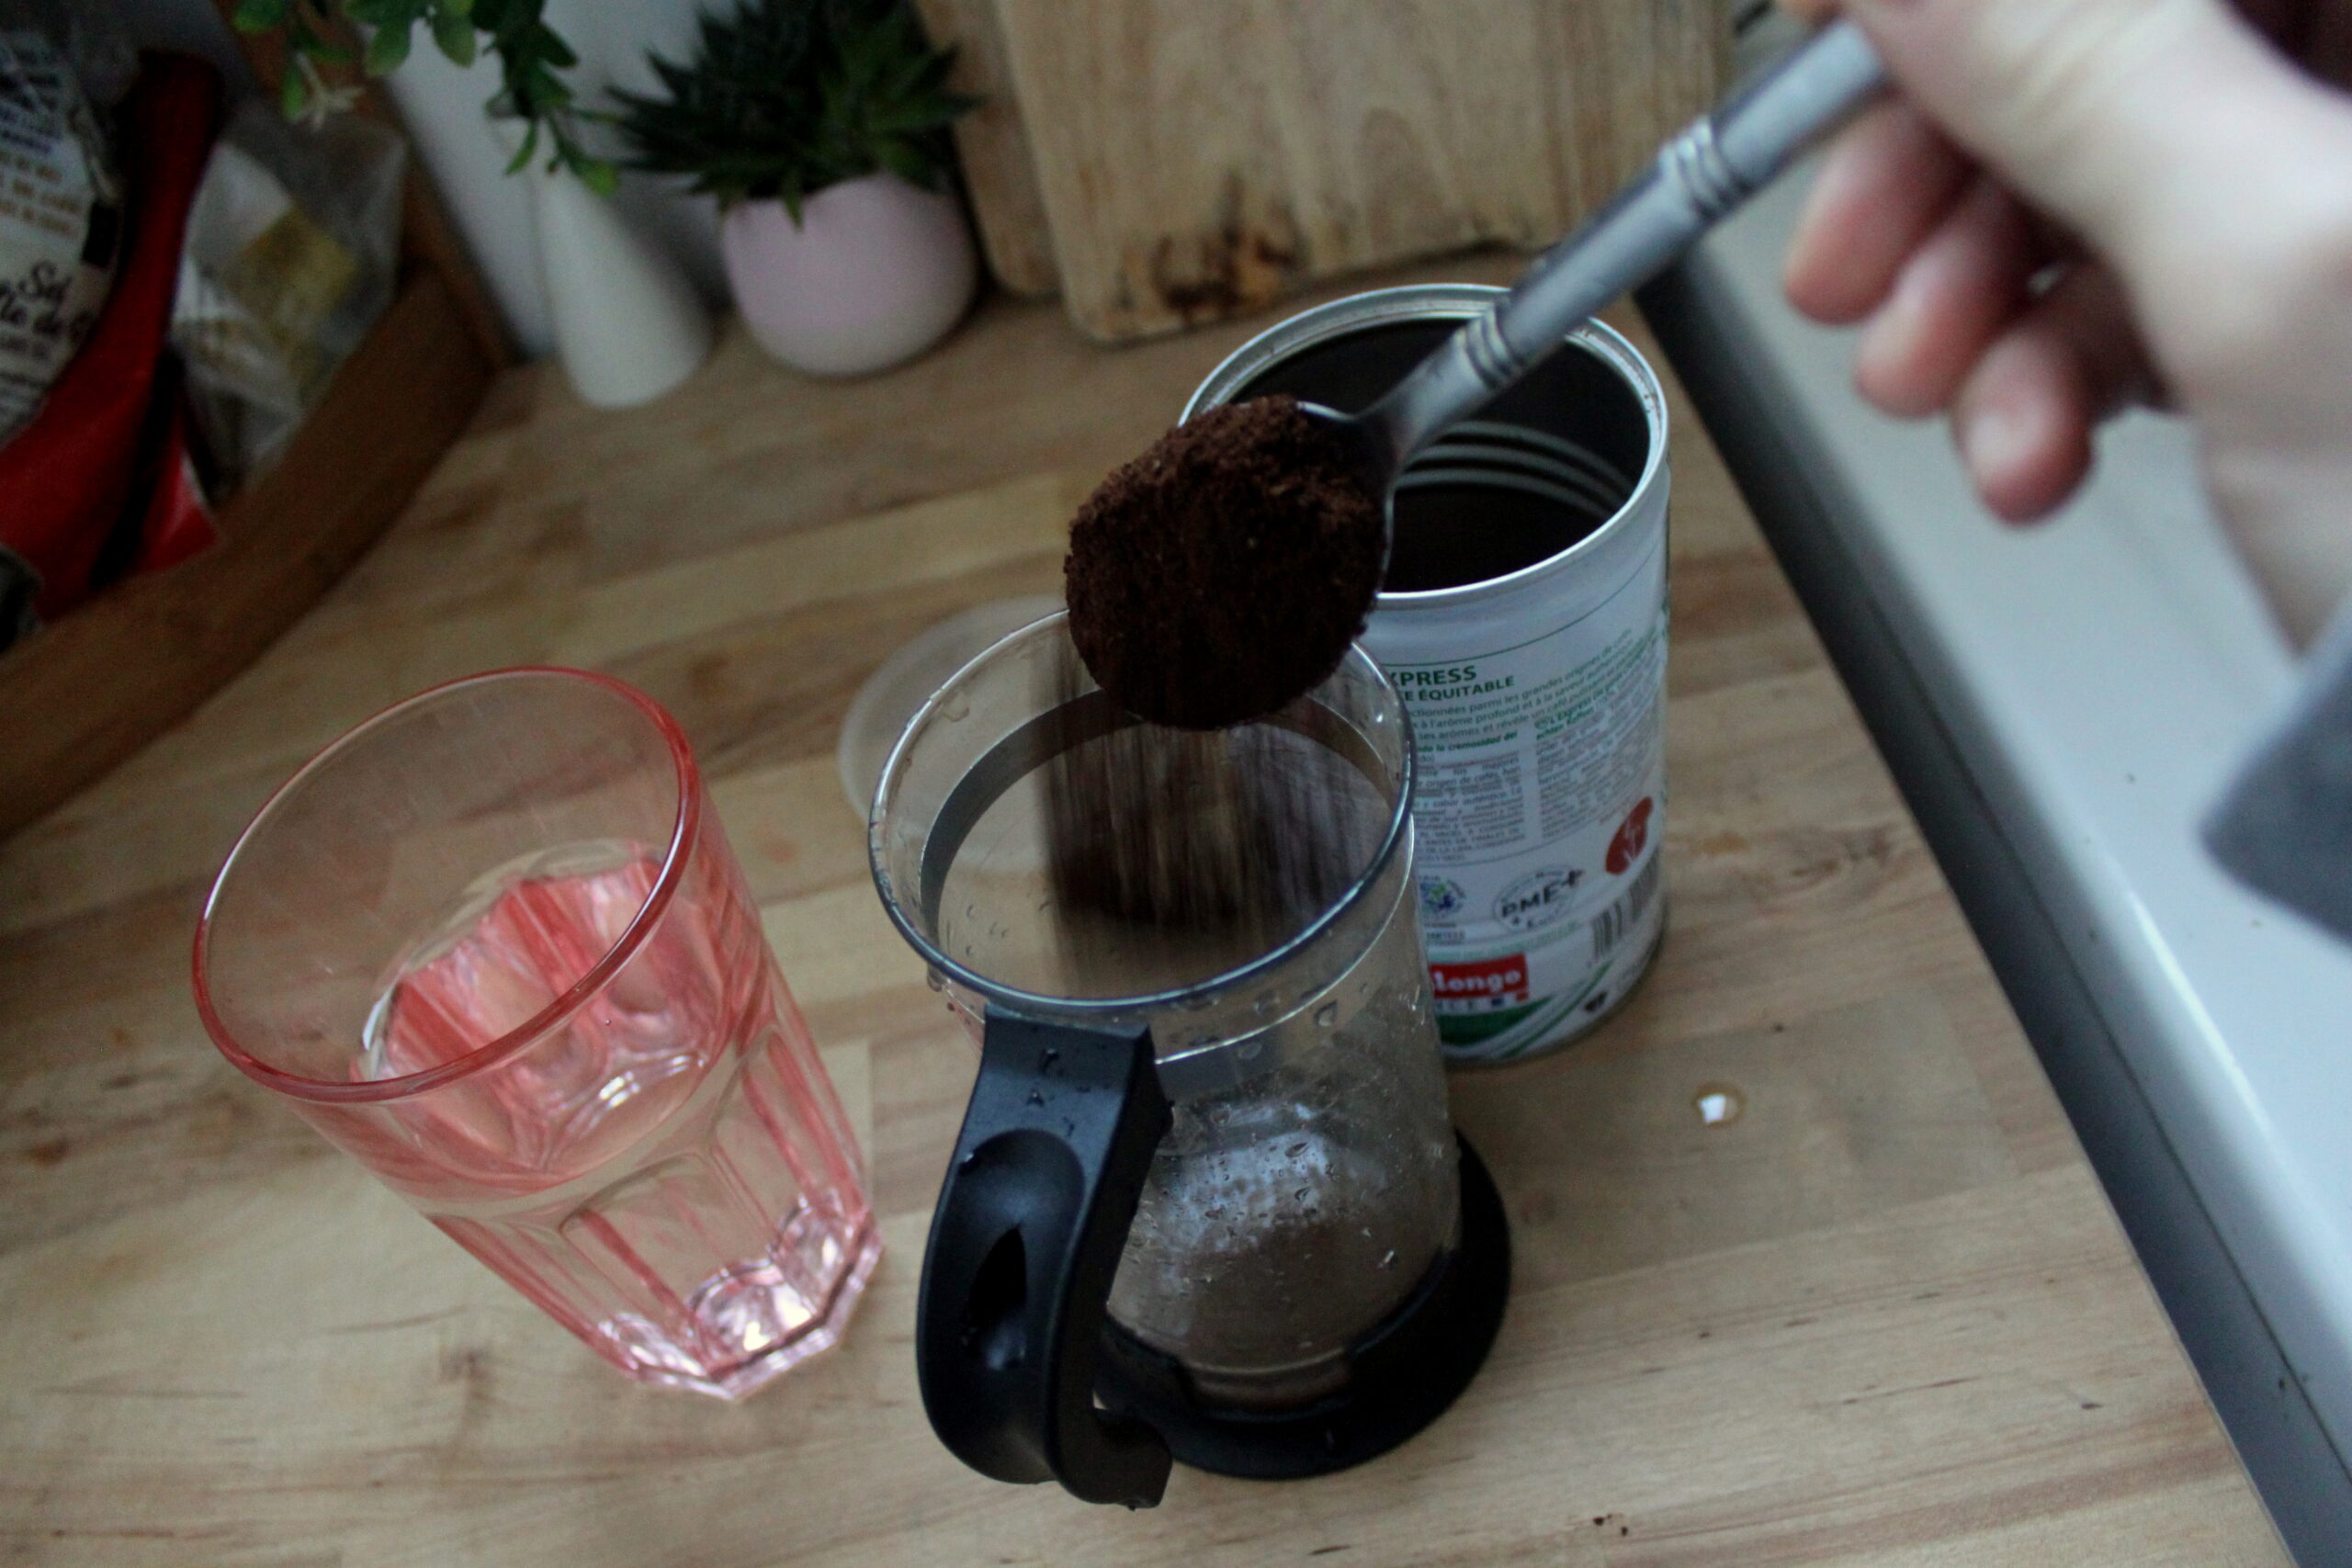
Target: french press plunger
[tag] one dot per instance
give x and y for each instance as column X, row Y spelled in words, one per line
column 1207, row 1200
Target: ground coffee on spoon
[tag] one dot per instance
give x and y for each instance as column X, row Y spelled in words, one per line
column 1226, row 571
column 1210, row 581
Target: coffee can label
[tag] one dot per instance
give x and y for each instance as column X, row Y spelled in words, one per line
column 1523, row 618
column 1542, row 784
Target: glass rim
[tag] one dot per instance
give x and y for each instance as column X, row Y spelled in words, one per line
column 684, row 833
column 1038, row 1004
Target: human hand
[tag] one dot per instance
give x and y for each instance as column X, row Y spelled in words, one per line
column 2074, row 204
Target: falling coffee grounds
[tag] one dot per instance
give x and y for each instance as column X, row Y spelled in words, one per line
column 1197, row 849
column 1214, row 580
column 1225, row 571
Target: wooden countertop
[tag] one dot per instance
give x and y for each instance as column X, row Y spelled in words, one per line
column 1882, row 1317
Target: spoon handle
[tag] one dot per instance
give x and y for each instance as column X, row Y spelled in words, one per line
column 1699, row 177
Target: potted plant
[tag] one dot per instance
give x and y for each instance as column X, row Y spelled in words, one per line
column 627, row 326
column 531, row 55
column 821, row 126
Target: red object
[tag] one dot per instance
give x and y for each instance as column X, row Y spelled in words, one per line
column 68, row 477
column 1492, row 979
column 176, row 521
column 1632, row 834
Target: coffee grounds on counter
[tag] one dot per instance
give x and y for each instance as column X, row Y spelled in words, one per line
column 1225, row 571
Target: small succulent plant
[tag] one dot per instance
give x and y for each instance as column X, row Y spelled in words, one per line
column 788, row 96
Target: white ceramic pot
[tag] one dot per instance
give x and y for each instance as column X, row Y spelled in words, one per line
column 877, row 271
column 628, row 327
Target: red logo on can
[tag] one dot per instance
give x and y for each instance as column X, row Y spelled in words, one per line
column 1491, row 983
column 1632, row 834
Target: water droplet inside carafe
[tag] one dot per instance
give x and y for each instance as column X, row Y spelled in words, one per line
column 955, row 707
column 1326, row 1015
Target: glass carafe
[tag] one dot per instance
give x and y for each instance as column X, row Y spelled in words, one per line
column 1207, row 1196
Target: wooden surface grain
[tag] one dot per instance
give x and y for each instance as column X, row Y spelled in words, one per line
column 1199, row 158
column 79, row 696
column 1883, row 1316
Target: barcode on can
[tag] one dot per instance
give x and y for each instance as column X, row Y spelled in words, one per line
column 1609, row 926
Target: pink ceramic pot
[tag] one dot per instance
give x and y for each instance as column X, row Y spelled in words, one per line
column 877, row 271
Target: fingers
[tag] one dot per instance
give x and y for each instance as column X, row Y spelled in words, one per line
column 1957, row 288
column 2114, row 115
column 2024, row 415
column 1885, row 185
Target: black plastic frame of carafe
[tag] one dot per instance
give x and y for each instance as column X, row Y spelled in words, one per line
column 1405, row 1374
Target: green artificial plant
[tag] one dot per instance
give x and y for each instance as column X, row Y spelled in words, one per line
column 788, row 96
column 531, row 55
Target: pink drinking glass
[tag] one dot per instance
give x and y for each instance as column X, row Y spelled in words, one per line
column 493, row 944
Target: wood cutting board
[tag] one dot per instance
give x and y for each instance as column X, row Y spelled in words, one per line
column 1201, row 158
column 993, row 144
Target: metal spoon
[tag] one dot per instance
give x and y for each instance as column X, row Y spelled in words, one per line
column 1699, row 179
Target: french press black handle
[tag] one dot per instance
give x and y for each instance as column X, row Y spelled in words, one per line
column 1016, row 1280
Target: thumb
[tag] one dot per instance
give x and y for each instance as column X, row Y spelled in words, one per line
column 2120, row 118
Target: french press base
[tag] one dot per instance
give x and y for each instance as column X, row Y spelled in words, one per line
column 1402, row 1376
column 1207, row 1202
column 1026, row 1376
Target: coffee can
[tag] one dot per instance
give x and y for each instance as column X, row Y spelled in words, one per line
column 1524, row 619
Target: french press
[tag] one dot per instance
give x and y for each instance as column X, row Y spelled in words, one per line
column 1206, row 1201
